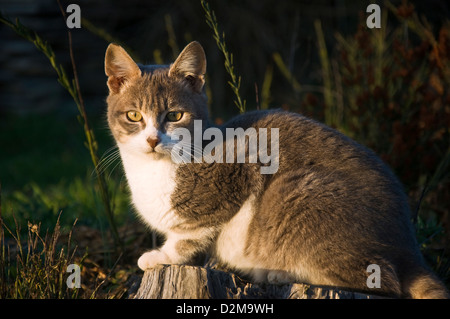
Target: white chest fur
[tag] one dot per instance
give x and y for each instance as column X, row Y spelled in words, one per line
column 152, row 182
column 232, row 240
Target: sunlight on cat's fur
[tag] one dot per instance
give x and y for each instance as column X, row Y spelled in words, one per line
column 331, row 209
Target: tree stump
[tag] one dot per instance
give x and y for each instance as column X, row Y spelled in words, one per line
column 193, row 282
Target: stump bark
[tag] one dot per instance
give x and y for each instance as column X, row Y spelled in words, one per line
column 192, row 282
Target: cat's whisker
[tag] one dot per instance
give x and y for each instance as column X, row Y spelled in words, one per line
column 177, row 147
column 195, row 152
column 179, row 159
column 112, row 170
column 106, row 163
column 203, row 155
column 110, row 151
column 106, row 160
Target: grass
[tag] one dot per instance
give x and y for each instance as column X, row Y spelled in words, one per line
column 38, row 209
column 65, row 179
column 38, row 270
column 73, row 88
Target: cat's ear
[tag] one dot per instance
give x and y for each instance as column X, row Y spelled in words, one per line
column 119, row 67
column 191, row 65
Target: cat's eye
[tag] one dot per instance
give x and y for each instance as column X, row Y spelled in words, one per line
column 134, row 116
column 174, row 116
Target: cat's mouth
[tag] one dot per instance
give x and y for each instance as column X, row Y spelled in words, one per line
column 158, row 150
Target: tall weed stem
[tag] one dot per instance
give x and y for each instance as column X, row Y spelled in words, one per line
column 235, row 82
column 72, row 86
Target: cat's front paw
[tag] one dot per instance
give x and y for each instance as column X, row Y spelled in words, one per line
column 152, row 258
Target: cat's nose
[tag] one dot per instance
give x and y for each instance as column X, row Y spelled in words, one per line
column 153, row 141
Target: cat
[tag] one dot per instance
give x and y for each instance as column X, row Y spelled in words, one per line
column 331, row 209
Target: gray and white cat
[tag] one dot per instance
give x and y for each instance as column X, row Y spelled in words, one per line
column 331, row 209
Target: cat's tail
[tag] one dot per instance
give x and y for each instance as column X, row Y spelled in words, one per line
column 421, row 283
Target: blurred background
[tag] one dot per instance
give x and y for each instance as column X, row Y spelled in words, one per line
column 387, row 88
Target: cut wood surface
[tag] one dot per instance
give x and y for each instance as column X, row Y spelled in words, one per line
column 193, row 282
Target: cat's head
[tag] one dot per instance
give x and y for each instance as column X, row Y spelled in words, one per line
column 147, row 103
